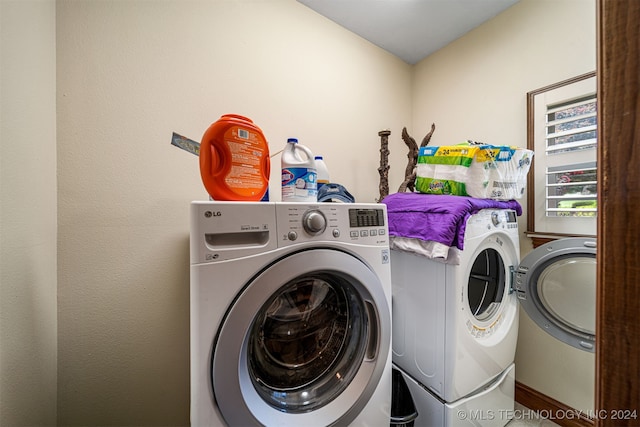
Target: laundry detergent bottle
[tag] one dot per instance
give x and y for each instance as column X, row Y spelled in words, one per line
column 234, row 160
column 299, row 173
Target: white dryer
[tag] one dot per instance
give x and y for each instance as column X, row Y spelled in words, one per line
column 290, row 314
column 455, row 326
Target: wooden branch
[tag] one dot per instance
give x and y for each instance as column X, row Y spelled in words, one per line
column 412, row 159
column 410, row 171
column 427, row 137
column 383, row 170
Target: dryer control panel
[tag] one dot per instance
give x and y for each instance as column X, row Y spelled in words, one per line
column 490, row 220
column 504, row 218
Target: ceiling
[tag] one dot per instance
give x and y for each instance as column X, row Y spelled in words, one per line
column 409, row 29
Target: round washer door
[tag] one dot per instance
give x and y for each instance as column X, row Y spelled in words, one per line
column 556, row 285
column 305, row 343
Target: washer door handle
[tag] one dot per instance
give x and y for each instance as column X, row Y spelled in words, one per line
column 373, row 330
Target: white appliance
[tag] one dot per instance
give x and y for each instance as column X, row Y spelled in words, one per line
column 290, row 314
column 455, row 326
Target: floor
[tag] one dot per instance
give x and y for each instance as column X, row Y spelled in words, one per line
column 525, row 417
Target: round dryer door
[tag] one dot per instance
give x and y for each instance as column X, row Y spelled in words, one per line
column 556, row 285
column 486, row 286
column 491, row 310
column 305, row 343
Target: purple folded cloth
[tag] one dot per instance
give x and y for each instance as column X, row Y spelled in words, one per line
column 441, row 218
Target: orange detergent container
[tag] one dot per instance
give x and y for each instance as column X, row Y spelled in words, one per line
column 234, row 160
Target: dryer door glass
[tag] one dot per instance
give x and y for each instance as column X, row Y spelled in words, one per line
column 307, row 342
column 556, row 285
column 564, row 296
column 486, row 284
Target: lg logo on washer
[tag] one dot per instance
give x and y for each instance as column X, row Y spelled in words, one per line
column 209, row 214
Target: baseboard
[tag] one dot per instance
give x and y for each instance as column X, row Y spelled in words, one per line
column 537, row 401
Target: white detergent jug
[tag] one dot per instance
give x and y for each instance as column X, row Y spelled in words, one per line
column 323, row 172
column 299, row 183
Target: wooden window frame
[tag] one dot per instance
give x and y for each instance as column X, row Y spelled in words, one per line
column 540, row 237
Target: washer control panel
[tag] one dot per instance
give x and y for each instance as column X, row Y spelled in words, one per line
column 364, row 223
column 228, row 230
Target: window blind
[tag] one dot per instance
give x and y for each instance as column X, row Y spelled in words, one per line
column 571, row 135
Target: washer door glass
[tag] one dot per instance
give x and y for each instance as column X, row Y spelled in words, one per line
column 486, row 284
column 306, row 343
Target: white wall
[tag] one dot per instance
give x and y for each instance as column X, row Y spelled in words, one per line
column 28, row 326
column 131, row 73
column 475, row 88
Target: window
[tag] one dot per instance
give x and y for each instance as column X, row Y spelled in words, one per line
column 561, row 130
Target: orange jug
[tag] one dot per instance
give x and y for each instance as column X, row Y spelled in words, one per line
column 234, row 160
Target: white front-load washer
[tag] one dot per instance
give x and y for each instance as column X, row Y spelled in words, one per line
column 290, row 314
column 455, row 326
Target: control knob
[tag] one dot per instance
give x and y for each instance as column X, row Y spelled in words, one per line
column 314, row 222
column 495, row 218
